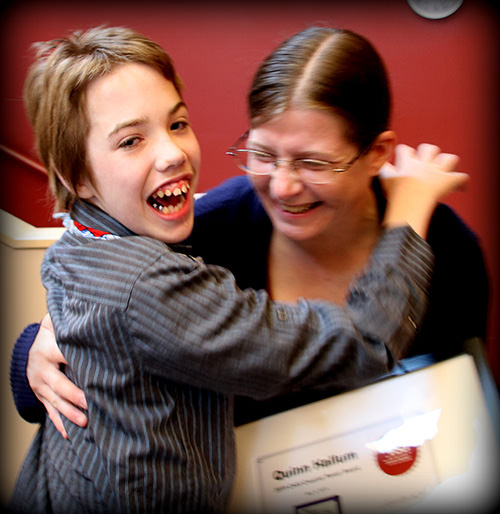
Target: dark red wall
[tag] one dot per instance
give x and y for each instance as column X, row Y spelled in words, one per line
column 444, row 77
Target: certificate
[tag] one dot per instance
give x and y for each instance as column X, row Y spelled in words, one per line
column 410, row 443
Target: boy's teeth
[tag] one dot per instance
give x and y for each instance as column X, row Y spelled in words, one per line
column 168, row 209
column 184, row 188
column 160, row 199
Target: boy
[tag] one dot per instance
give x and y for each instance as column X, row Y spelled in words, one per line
column 158, row 341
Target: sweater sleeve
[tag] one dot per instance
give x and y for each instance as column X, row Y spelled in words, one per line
column 27, row 404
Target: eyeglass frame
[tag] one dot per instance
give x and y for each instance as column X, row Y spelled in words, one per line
column 233, row 149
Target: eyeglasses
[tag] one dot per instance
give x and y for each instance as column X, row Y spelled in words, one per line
column 313, row 171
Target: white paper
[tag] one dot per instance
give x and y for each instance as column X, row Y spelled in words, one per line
column 410, row 443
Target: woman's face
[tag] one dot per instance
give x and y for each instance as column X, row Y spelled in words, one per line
column 303, row 211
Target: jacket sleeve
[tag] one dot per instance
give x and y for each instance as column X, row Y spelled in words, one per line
column 366, row 338
column 240, row 342
column 27, row 404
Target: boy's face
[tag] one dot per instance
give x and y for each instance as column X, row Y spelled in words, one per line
column 143, row 155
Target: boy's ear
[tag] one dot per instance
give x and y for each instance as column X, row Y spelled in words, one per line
column 382, row 150
column 84, row 189
column 64, row 182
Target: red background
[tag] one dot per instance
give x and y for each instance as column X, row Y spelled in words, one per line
column 443, row 73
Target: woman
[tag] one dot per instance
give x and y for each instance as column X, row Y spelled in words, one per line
column 322, row 100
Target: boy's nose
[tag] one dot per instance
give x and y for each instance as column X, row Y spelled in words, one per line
column 170, row 155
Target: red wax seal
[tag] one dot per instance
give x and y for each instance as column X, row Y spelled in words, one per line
column 397, row 461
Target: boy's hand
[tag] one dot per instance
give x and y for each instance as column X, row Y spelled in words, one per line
column 415, row 184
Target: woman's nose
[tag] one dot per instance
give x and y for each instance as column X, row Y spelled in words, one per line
column 285, row 182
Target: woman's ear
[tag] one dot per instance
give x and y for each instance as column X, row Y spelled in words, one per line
column 381, row 150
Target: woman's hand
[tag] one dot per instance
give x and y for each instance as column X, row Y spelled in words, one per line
column 57, row 393
column 415, row 184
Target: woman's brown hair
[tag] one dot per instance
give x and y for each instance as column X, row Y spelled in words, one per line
column 325, row 68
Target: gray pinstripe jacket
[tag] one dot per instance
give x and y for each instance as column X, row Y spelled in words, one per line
column 160, row 343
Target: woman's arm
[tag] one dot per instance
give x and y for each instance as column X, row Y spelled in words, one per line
column 413, row 185
column 27, row 404
column 37, row 379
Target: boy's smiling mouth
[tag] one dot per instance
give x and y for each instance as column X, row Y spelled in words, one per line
column 170, row 198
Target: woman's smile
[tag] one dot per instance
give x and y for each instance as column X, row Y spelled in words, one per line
column 298, row 209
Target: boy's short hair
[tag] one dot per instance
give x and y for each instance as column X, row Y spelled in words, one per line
column 55, row 95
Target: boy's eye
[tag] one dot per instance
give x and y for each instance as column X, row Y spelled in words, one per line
column 129, row 142
column 179, row 125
